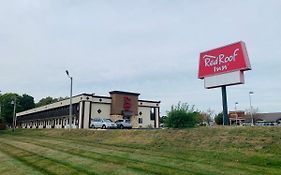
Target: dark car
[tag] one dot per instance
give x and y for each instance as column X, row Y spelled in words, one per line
column 124, row 123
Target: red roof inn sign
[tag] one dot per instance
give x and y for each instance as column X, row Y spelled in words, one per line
column 224, row 66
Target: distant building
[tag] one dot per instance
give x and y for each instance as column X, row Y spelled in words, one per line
column 236, row 117
column 259, row 118
column 271, row 118
column 120, row 105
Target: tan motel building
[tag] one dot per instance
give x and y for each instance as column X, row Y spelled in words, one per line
column 119, row 105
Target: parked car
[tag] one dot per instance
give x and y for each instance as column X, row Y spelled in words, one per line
column 124, row 123
column 102, row 123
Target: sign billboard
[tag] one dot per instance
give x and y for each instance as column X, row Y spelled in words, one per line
column 227, row 79
column 222, row 67
column 229, row 58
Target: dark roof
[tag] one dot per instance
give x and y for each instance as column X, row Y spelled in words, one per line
column 122, row 92
column 270, row 117
column 150, row 101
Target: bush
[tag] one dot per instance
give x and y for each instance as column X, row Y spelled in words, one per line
column 181, row 116
column 219, row 119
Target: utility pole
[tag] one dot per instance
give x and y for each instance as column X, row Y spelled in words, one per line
column 224, row 104
column 14, row 102
column 236, row 103
column 251, row 108
column 70, row 100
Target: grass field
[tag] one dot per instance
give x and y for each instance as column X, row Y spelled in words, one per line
column 220, row 150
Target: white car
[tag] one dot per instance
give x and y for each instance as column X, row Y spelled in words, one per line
column 124, row 123
column 102, row 123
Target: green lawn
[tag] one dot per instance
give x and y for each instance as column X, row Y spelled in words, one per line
column 203, row 150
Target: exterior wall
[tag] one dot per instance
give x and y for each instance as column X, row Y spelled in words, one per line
column 87, row 114
column 145, row 108
column 100, row 110
column 145, row 115
column 89, row 106
column 135, row 121
column 116, row 117
column 61, row 122
column 157, row 117
column 75, row 99
column 118, row 104
column 81, row 111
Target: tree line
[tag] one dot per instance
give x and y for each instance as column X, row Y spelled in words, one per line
column 22, row 102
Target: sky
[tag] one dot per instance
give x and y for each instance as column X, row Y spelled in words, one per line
column 147, row 46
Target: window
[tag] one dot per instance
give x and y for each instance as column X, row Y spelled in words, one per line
column 140, row 120
column 97, row 120
column 152, row 114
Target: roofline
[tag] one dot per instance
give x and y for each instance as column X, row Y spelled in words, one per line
column 122, row 92
column 149, row 101
column 268, row 113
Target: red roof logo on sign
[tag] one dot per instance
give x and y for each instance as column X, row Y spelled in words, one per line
column 127, row 103
column 225, row 59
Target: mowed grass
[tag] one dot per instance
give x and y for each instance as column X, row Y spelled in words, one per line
column 203, row 150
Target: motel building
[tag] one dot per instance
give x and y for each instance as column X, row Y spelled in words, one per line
column 119, row 105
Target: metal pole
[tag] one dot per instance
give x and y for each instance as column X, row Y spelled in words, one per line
column 224, row 104
column 236, row 113
column 70, row 105
column 70, row 101
column 251, row 108
column 14, row 115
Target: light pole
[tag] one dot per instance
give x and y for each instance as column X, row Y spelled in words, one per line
column 251, row 108
column 14, row 102
column 70, row 99
column 236, row 103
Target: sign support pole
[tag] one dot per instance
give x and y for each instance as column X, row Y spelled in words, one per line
column 224, row 105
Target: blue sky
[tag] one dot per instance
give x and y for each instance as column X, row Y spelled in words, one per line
column 150, row 47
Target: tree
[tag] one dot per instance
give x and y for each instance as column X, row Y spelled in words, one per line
column 162, row 119
column 23, row 102
column 46, row 101
column 203, row 119
column 27, row 102
column 7, row 108
column 181, row 116
column 219, row 119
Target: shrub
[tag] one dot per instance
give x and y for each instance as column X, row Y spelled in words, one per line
column 219, row 119
column 181, row 116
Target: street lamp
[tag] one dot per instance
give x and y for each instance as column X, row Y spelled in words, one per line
column 14, row 102
column 236, row 103
column 70, row 100
column 251, row 108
